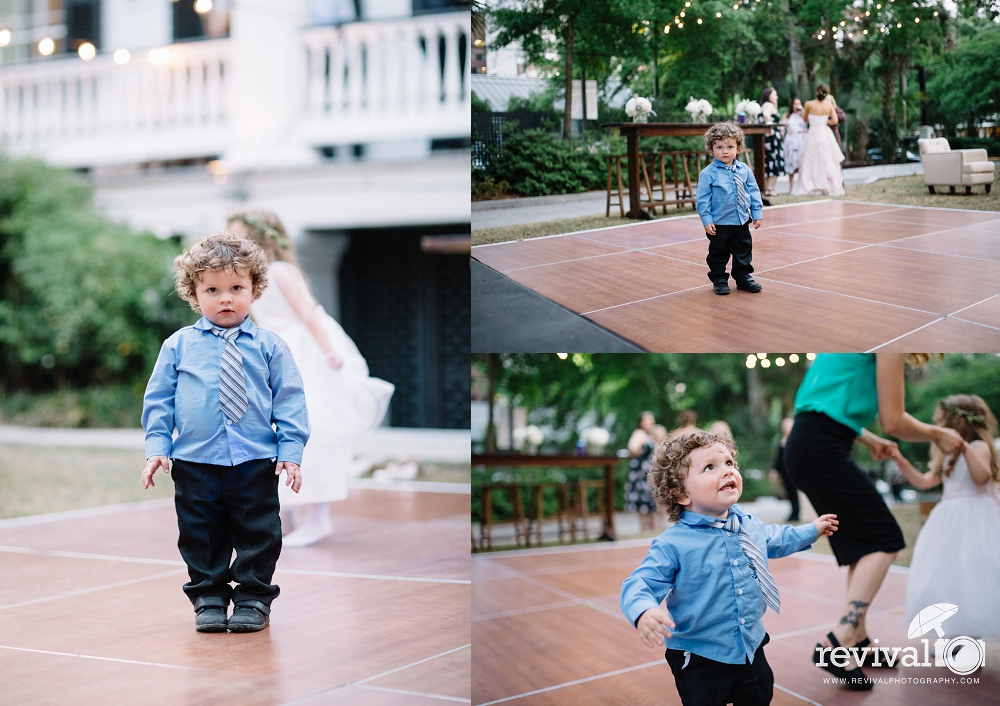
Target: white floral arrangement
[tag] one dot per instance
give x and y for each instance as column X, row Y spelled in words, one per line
column 528, row 438
column 699, row 109
column 749, row 108
column 638, row 108
column 595, row 439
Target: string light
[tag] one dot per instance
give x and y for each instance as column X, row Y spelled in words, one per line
column 935, row 13
column 699, row 20
column 46, row 46
column 122, row 56
column 917, row 20
column 87, row 51
column 718, row 14
column 5, row 36
column 682, row 13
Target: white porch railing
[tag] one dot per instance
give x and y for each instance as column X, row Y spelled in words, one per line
column 365, row 82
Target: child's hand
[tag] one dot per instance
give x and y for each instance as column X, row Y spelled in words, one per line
column 652, row 626
column 881, row 449
column 152, row 463
column 710, row 229
column 826, row 524
column 333, row 361
column 757, row 223
column 294, row 475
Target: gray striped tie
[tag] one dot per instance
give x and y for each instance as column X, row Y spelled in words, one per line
column 757, row 562
column 232, row 385
column 741, row 189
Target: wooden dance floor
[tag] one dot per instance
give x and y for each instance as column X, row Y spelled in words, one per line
column 547, row 630
column 92, row 612
column 837, row 276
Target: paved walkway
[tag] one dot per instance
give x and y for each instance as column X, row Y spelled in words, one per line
column 514, row 212
column 380, row 445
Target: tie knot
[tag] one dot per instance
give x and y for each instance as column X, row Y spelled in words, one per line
column 227, row 333
column 733, row 523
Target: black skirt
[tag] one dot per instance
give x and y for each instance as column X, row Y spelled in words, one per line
column 818, row 458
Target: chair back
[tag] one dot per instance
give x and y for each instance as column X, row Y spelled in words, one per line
column 931, row 145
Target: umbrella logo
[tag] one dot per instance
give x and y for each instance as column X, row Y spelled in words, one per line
column 962, row 655
column 930, row 618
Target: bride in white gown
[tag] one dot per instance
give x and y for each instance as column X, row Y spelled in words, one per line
column 820, row 171
column 343, row 401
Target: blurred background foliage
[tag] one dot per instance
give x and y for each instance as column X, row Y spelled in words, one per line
column 84, row 303
column 564, row 396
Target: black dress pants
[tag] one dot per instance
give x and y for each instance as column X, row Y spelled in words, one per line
column 734, row 241
column 705, row 682
column 221, row 508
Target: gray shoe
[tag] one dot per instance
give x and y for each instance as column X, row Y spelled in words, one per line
column 211, row 618
column 250, row 616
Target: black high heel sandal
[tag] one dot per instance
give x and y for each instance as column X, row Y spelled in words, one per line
column 854, row 679
column 876, row 652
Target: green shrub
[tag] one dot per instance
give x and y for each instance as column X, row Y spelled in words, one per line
column 538, row 163
column 83, row 301
column 991, row 146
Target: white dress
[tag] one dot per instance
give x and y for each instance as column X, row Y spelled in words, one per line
column 957, row 557
column 342, row 403
column 795, row 136
column 820, row 171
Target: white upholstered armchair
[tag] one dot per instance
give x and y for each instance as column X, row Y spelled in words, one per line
column 944, row 166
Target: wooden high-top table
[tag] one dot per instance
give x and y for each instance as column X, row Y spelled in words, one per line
column 608, row 463
column 633, row 131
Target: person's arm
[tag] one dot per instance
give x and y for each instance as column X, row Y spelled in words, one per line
column 703, row 200
column 889, row 377
column 288, row 413
column 756, row 204
column 805, row 112
column 645, row 589
column 636, row 441
column 287, row 280
column 977, row 456
column 920, row 481
column 880, row 448
column 783, row 540
column 158, row 409
column 832, row 120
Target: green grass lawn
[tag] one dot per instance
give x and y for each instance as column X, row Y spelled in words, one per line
column 36, row 480
column 906, row 191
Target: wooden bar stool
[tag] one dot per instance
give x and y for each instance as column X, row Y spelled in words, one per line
column 536, row 513
column 615, row 172
column 581, row 506
column 486, row 521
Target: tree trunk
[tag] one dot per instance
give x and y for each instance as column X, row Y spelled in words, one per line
column 568, row 110
column 583, row 99
column 757, row 401
column 798, row 60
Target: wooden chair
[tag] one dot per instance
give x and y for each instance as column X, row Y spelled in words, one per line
column 536, row 513
column 581, row 507
column 486, row 521
column 615, row 175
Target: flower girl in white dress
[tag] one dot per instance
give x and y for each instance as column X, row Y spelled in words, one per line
column 957, row 555
column 342, row 399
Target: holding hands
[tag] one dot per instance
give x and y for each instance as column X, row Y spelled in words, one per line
column 826, row 524
column 653, row 626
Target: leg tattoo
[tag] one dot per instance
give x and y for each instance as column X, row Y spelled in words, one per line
column 854, row 613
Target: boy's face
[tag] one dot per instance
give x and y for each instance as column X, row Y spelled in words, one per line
column 225, row 297
column 725, row 150
column 713, row 484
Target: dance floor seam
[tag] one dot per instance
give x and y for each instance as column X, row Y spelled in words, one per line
column 838, row 275
column 378, row 614
column 541, row 654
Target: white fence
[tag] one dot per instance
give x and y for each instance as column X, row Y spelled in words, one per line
column 365, row 82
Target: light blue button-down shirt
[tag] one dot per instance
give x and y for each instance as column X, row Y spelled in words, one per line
column 714, row 598
column 717, row 200
column 183, row 391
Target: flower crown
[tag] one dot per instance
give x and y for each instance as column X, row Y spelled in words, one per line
column 969, row 416
column 265, row 228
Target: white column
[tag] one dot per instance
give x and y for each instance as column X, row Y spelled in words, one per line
column 267, row 91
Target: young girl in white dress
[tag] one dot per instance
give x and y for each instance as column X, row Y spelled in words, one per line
column 795, row 136
column 343, row 401
column 957, row 555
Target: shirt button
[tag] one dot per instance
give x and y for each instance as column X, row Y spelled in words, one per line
column 229, row 421
column 742, row 621
column 735, row 562
column 740, row 592
column 729, row 534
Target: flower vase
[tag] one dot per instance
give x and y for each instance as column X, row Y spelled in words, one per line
column 642, row 118
column 530, row 450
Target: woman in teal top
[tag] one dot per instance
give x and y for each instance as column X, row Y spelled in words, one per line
column 841, row 395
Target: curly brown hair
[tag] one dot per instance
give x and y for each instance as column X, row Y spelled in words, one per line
column 724, row 131
column 670, row 465
column 222, row 252
column 971, row 417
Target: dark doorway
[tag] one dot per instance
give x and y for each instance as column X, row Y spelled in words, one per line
column 408, row 312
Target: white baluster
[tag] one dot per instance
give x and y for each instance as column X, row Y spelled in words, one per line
column 452, row 77
column 337, row 46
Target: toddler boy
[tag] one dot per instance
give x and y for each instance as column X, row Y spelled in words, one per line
column 222, row 383
column 728, row 199
column 712, row 568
